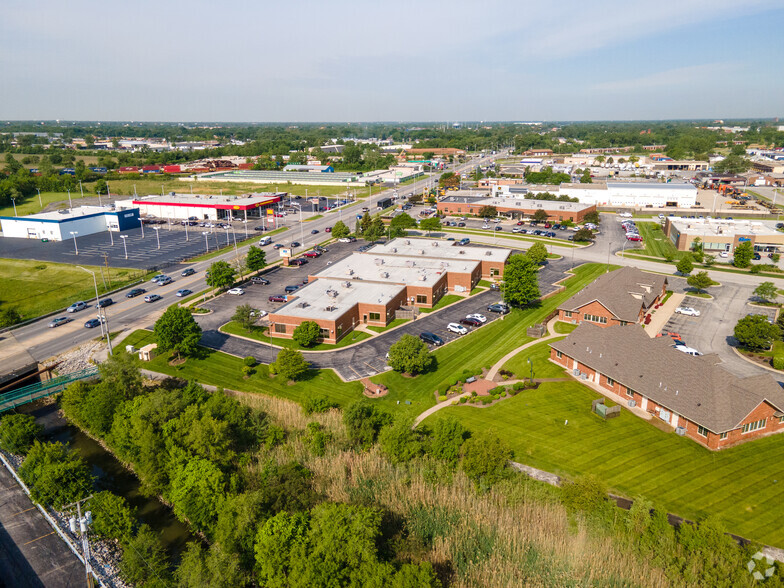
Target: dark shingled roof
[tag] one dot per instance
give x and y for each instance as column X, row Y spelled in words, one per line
column 622, row 292
column 696, row 388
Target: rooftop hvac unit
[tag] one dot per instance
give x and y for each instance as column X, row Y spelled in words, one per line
column 330, row 308
column 332, row 293
column 422, row 277
column 303, row 304
column 435, row 243
column 384, row 274
column 378, row 261
column 350, row 271
column 576, row 372
column 461, row 252
column 632, row 403
column 488, row 252
column 680, row 431
column 346, row 284
column 408, row 242
column 583, row 376
column 421, row 251
column 409, row 263
column 394, row 250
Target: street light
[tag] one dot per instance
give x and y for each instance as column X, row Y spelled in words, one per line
column 73, row 234
column 157, row 235
column 41, row 202
column 206, row 241
column 142, row 225
column 14, row 201
column 125, row 246
column 101, row 317
column 531, row 365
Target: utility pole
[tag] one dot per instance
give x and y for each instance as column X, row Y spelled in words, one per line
column 83, row 523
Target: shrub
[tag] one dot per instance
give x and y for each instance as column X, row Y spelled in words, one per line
column 247, row 370
column 778, row 361
column 755, row 269
column 463, row 399
column 503, row 394
column 517, row 386
column 318, row 404
column 473, row 393
column 496, row 397
column 17, row 432
column 249, row 361
column 497, row 390
column 441, row 398
column 487, row 399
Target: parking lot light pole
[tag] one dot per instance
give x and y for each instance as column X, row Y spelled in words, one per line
column 186, row 229
column 14, row 201
column 157, row 236
column 227, row 236
column 206, row 241
column 40, row 202
column 73, row 234
column 531, row 365
column 142, row 225
column 125, row 246
column 97, row 300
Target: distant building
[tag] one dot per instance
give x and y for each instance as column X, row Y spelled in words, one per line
column 538, row 153
column 723, row 234
column 57, row 226
column 633, row 194
column 293, row 167
column 681, row 165
column 515, row 207
column 203, row 206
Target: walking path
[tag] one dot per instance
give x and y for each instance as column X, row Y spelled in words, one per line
column 500, row 363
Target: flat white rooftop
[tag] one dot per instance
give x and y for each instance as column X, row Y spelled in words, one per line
column 67, row 213
column 725, row 227
column 208, row 199
column 439, row 249
column 329, row 298
column 393, row 269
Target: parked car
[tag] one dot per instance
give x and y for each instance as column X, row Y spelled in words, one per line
column 687, row 310
column 299, row 261
column 292, row 288
column 166, row 280
column 757, row 256
column 313, row 254
column 77, row 306
column 92, row 323
column 498, row 308
column 476, row 316
column 431, row 338
column 184, row 292
column 457, row 328
column 471, row 322
column 188, row 272
column 633, row 238
column 259, row 280
column 260, row 228
column 135, row 292
column 347, row 239
column 259, row 313
column 61, row 320
column 724, row 254
column 277, row 298
column 236, row 291
column 152, row 297
column 687, row 350
column 104, row 302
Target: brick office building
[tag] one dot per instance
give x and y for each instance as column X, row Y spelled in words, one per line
column 515, row 207
column 620, row 297
column 697, row 397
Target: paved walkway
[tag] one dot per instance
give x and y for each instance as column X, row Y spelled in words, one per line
column 500, row 363
column 663, row 314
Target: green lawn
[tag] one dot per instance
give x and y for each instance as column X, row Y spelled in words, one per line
column 392, row 325
column 34, row 288
column 220, row 369
column 222, row 250
column 655, row 242
column 445, row 301
column 539, row 355
column 517, row 236
column 742, row 485
column 314, row 217
column 481, row 348
column 260, row 334
column 564, row 328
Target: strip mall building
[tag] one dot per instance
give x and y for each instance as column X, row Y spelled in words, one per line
column 203, row 206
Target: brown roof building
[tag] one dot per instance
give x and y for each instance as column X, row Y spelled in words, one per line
column 620, row 297
column 693, row 394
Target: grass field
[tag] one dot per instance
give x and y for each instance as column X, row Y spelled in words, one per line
column 221, row 369
column 539, row 355
column 516, row 236
column 564, row 328
column 392, row 325
column 445, row 301
column 226, row 249
column 656, row 243
column 34, row 288
column 482, row 348
column 742, row 485
column 260, row 334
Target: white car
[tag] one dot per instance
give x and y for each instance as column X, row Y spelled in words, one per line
column 625, row 214
column 457, row 328
column 236, row 291
column 480, row 317
column 258, row 313
column 687, row 350
column 687, row 310
column 724, row 254
column 344, row 240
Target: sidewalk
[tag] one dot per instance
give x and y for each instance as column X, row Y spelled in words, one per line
column 663, row 314
column 500, row 363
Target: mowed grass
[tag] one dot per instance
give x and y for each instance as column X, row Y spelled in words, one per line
column 445, row 301
column 34, row 288
column 32, row 205
column 221, row 369
column 480, row 349
column 539, row 355
column 564, row 328
column 392, row 325
column 260, row 334
column 742, row 485
column 655, row 242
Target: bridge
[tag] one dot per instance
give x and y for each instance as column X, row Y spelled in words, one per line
column 33, row 392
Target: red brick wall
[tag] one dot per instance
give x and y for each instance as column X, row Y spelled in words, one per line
column 466, row 280
column 593, row 308
column 461, row 208
column 293, row 322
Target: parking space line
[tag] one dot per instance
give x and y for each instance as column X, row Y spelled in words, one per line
column 38, row 538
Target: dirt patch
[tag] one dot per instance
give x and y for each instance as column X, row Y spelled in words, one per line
column 175, row 362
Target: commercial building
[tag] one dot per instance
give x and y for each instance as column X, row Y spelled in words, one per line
column 723, row 234
column 293, row 167
column 633, row 194
column 281, row 177
column 203, row 206
column 515, row 206
column 697, row 397
column 620, row 297
column 681, row 165
column 58, row 225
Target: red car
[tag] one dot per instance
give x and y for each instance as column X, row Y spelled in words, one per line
column 328, row 230
column 278, row 298
column 519, row 223
column 311, row 254
column 634, row 238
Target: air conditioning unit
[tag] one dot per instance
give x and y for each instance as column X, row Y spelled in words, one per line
column 680, row 431
column 632, row 403
column 576, row 372
column 583, row 376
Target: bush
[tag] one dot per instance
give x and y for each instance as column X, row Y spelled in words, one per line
column 486, row 399
column 307, row 333
column 463, row 399
column 778, row 362
column 247, row 370
column 755, row 269
column 249, row 361
column 318, row 404
column 441, row 398
column 497, row 390
column 496, row 397
column 517, row 386
column 473, row 392
column 17, row 432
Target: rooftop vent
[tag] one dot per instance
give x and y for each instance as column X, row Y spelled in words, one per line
column 332, row 293
column 346, row 284
column 421, row 251
column 488, row 252
column 461, row 252
column 422, row 277
column 378, row 261
column 408, row 242
column 394, row 250
column 330, row 308
column 349, row 271
column 435, row 243
column 384, row 274
column 409, row 263
column 303, row 305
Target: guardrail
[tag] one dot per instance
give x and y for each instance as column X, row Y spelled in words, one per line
column 34, row 392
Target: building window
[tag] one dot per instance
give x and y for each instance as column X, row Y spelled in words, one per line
column 702, row 431
column 421, row 299
column 723, row 437
column 781, row 420
column 558, row 354
column 280, row 328
column 494, row 271
column 610, row 382
column 567, row 314
column 324, row 333
column 595, row 318
column 629, row 392
column 374, row 316
column 749, row 427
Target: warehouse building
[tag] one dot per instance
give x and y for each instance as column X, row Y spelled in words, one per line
column 723, row 234
column 517, row 207
column 59, row 225
column 633, row 194
column 492, row 259
column 281, row 177
column 203, row 206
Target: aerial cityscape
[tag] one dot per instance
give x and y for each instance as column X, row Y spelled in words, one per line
column 437, row 295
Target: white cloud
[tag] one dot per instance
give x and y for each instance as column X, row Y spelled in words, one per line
column 678, row 77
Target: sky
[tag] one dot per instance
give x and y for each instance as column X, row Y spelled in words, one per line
column 404, row 60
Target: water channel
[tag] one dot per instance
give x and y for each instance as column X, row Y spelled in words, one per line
column 111, row 475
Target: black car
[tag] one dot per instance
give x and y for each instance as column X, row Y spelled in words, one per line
column 135, row 292
column 104, row 303
column 295, row 244
column 260, row 228
column 290, row 289
column 757, row 255
column 259, row 280
column 92, row 323
column 498, row 308
column 298, row 261
column 471, row 322
column 188, row 272
column 431, row 338
column 314, row 232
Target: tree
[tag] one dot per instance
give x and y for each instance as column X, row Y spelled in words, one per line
column 583, row 234
column 767, row 291
column 743, row 255
column 449, row 180
column 340, row 230
column 277, row 539
column 541, row 215
column 430, row 224
column 399, row 224
column 363, row 422
column 176, row 330
column 536, row 253
column 447, row 439
column 592, row 217
column 54, row 475
column 214, row 567
column 700, row 281
column 9, row 316
column 144, row 559
column 485, row 458
column 755, row 332
column 709, row 260
column 697, row 249
column 113, row 518
column 410, row 355
column 307, row 333
column 256, row 259
column 399, row 442
column 586, row 177
column 197, row 492
column 244, row 315
column 289, row 364
column 221, row 275
column 520, row 285
column 488, row 212
column 17, row 432
column 732, row 164
column 685, row 265
column 121, row 372
column 101, row 187
column 374, row 231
